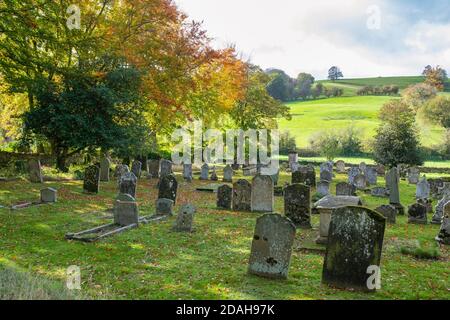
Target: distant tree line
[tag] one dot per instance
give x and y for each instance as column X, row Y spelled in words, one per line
column 388, row 90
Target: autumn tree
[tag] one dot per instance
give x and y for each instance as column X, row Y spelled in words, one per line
column 435, row 77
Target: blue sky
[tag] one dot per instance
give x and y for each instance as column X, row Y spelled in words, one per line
column 363, row 37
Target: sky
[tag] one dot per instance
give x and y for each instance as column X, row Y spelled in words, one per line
column 365, row 38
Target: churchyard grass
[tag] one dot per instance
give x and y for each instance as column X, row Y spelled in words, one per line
column 152, row 262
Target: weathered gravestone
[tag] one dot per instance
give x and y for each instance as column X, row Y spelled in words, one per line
column 360, row 182
column 136, row 168
column 120, row 170
column 272, row 246
column 214, row 176
column 423, row 189
column 185, row 219
column 340, row 166
column 49, row 195
column 165, row 168
column 392, row 181
column 323, row 188
column 128, row 184
column 345, row 189
column 413, row 175
column 224, row 197
column 34, row 167
column 439, row 210
column 242, row 194
column 153, row 168
column 125, row 197
column 304, row 175
column 444, row 233
column 105, row 165
column 389, row 212
column 362, row 167
column 126, row 213
column 328, row 166
column 353, row 254
column 204, row 173
column 417, row 214
column 435, row 184
column 326, row 175
column 275, row 177
column 262, row 199
column 228, row 174
column 168, row 187
column 187, row 171
column 164, row 207
column 444, row 190
column 293, row 160
column 379, row 192
column 352, row 173
column 381, row 170
column 371, row 176
column 297, row 204
column 91, row 179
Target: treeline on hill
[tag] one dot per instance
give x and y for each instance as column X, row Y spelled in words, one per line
column 389, row 90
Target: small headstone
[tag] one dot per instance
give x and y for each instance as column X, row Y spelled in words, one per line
column 187, row 171
column 242, row 193
column 423, row 189
column 389, row 212
column 185, row 219
column 34, row 167
column 326, row 175
column 355, row 242
column 228, row 174
column 297, row 204
column 413, row 175
column 105, row 164
column 345, row 189
column 224, row 197
column 439, row 210
column 126, row 213
column 272, row 246
column 293, row 160
column 340, row 166
column 428, row 203
column 444, row 233
column 165, row 168
column 262, row 199
column 379, row 192
column 362, row 167
column 371, row 176
column 417, row 214
column 136, row 168
column 91, row 179
column 360, row 182
column 352, row 173
column 381, row 170
column 204, row 174
column 168, row 187
column 435, row 184
column 214, row 176
column 164, row 207
column 323, row 188
column 153, row 168
column 49, row 195
column 128, row 184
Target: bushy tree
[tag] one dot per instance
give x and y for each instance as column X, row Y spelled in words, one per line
column 334, row 73
column 438, row 111
column 416, row 95
column 435, row 77
column 303, row 85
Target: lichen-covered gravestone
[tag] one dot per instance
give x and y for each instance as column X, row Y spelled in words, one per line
column 165, row 168
column 34, row 167
column 153, row 168
column 136, row 168
column 323, row 188
column 128, row 184
column 91, row 179
column 297, row 204
column 345, row 189
column 305, row 175
column 340, row 166
column 262, row 199
column 187, row 171
column 381, row 170
column 242, row 193
column 126, row 213
column 439, row 210
column 105, row 164
column 168, row 187
column 379, row 192
column 214, row 176
column 444, row 233
column 423, row 189
column 353, row 254
column 293, row 160
column 49, row 195
column 360, row 182
column 413, row 175
column 120, row 170
column 371, row 176
column 272, row 246
column 392, row 181
column 352, row 173
column 164, row 207
column 326, row 175
column 204, row 172
column 228, row 174
column 185, row 219
column 389, row 212
column 224, row 197
column 417, row 214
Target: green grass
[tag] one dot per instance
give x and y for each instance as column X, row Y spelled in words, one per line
column 401, row 82
column 152, row 262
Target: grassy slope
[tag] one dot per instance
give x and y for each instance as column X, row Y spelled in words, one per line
column 153, row 262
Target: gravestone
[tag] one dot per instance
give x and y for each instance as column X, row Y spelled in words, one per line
column 389, row 212
column 249, row 170
column 153, row 168
column 34, row 168
column 187, row 171
column 105, row 164
column 444, row 190
column 360, row 182
column 413, row 175
column 272, row 246
column 328, row 166
column 362, row 167
column 294, row 166
column 380, row 192
column 417, row 214
column 49, row 195
column 262, row 199
column 323, row 188
column 224, row 197
column 164, row 207
column 352, row 173
column 91, row 179
column 125, row 197
column 435, row 184
column 306, row 175
column 340, row 166
column 326, row 175
column 297, row 204
column 423, row 189
column 392, row 181
column 165, row 168
column 128, row 184
column 345, row 189
column 381, row 170
column 371, row 176
column 439, row 210
column 275, row 177
column 126, row 213
column 120, row 170
column 204, row 174
column 214, row 176
column 185, row 219
column 444, row 233
column 168, row 187
column 228, row 174
column 428, row 203
column 136, row 168
column 355, row 242
column 293, row 160
column 242, row 193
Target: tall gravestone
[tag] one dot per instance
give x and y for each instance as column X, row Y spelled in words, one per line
column 345, row 189
column 444, row 233
column 165, row 168
column 423, row 189
column 105, row 165
column 242, row 193
column 272, row 246
column 185, row 219
column 168, row 187
column 34, row 167
column 187, row 171
column 91, row 179
column 214, row 176
column 204, row 173
column 381, row 170
column 224, row 197
column 128, row 184
column 392, row 183
column 228, row 174
column 136, row 168
column 352, row 173
column 262, row 199
column 293, row 160
column 153, row 168
column 120, row 170
column 355, row 242
column 297, row 204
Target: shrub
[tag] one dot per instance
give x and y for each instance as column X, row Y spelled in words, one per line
column 327, row 143
column 346, row 142
column 416, row 95
column 438, row 111
column 287, row 142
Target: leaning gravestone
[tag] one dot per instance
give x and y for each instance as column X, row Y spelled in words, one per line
column 345, row 189
column 165, row 168
column 168, row 187
column 439, row 210
column 136, row 168
column 228, row 174
column 204, row 174
column 417, row 214
column 297, row 204
column 164, row 207
column 262, row 199
column 91, row 179
column 392, row 181
column 340, row 166
column 34, row 167
column 272, row 246
column 413, row 175
column 352, row 173
column 354, row 248
column 126, row 213
column 444, row 233
column 323, row 188
column 423, row 189
column 326, row 175
column 153, row 168
column 128, row 184
column 49, row 195
column 105, row 164
column 242, row 193
column 224, row 197
column 185, row 219
column 187, row 171
column 389, row 212
column 371, row 176
column 360, row 182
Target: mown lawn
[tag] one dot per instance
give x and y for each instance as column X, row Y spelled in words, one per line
column 153, row 262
